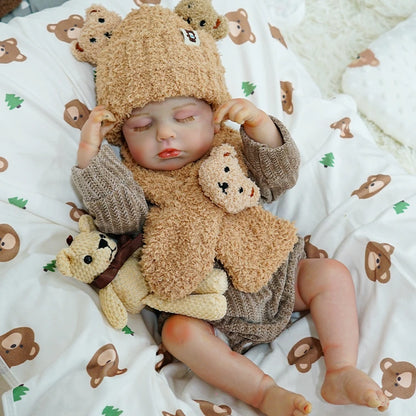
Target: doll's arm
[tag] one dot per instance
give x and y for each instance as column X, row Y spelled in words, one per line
column 110, row 194
column 275, row 170
column 100, row 122
column 257, row 124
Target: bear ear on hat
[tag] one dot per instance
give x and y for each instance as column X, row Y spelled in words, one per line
column 202, row 16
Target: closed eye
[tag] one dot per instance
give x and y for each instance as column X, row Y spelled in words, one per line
column 142, row 128
column 185, row 119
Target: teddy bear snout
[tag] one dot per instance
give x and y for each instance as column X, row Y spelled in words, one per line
column 223, row 186
column 103, row 242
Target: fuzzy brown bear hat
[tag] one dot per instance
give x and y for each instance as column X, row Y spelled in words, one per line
column 152, row 55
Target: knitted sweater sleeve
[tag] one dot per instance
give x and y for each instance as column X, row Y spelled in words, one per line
column 110, row 194
column 275, row 170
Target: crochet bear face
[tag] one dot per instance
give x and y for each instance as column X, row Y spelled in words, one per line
column 201, row 15
column 223, row 181
column 89, row 254
column 95, row 34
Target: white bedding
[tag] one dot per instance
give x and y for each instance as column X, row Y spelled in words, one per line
column 383, row 81
column 37, row 213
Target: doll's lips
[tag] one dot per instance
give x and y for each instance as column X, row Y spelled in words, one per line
column 169, row 153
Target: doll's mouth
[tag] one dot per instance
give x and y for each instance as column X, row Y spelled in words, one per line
column 169, row 153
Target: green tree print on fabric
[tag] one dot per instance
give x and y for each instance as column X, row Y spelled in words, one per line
column 248, row 88
column 401, row 207
column 19, row 202
column 50, row 267
column 111, row 411
column 13, row 101
column 18, row 392
column 127, row 330
column 328, row 160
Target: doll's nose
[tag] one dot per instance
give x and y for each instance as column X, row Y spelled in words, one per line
column 165, row 132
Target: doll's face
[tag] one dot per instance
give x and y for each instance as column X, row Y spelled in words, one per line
column 170, row 134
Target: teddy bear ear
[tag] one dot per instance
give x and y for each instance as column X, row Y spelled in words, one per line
column 86, row 223
column 63, row 262
column 224, row 150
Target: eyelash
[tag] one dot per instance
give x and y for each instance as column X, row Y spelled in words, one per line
column 139, row 129
column 186, row 119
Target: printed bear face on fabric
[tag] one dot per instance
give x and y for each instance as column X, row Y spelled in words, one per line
column 366, row 57
column 377, row 261
column 4, row 164
column 373, row 186
column 9, row 52
column 313, row 252
column 76, row 113
column 67, row 30
column 104, row 363
column 18, row 345
column 223, row 181
column 399, row 378
column 343, row 126
column 89, row 253
column 9, row 243
column 211, row 409
column 304, row 353
column 286, row 92
column 239, row 27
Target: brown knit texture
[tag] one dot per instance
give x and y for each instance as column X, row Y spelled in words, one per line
column 147, row 60
column 105, row 186
column 258, row 318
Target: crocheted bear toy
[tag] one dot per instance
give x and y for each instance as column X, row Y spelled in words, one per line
column 159, row 55
column 201, row 15
column 96, row 32
column 224, row 183
column 94, row 258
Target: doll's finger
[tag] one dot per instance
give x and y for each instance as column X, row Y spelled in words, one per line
column 105, row 128
column 222, row 112
column 100, row 115
column 108, row 117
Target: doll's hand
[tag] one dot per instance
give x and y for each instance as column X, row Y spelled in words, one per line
column 257, row 124
column 99, row 123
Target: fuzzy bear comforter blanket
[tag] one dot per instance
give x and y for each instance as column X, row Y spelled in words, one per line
column 352, row 202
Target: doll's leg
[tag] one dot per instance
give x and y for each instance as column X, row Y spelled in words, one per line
column 325, row 287
column 193, row 342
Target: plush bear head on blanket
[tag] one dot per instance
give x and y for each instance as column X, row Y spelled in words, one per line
column 92, row 257
column 194, row 220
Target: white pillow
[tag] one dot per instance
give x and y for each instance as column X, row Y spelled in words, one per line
column 383, row 82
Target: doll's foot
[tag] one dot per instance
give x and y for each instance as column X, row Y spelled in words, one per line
column 350, row 385
column 281, row 402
